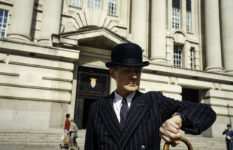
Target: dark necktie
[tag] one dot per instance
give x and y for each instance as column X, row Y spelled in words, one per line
column 123, row 112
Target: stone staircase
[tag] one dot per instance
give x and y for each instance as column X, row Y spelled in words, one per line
column 30, row 138
column 53, row 139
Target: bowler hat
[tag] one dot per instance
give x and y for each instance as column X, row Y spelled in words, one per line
column 127, row 54
column 228, row 125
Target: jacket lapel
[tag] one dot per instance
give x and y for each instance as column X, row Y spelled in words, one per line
column 134, row 117
column 109, row 118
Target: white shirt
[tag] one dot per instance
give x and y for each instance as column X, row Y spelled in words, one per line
column 117, row 103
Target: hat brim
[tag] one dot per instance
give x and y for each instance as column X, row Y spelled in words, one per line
column 112, row 64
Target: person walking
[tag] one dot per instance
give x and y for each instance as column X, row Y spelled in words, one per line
column 66, row 131
column 66, row 126
column 73, row 133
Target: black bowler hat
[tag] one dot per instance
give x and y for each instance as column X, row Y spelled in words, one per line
column 127, row 54
column 228, row 125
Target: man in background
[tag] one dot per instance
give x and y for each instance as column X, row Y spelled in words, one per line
column 229, row 137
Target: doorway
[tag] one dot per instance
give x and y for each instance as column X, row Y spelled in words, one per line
column 191, row 95
column 92, row 84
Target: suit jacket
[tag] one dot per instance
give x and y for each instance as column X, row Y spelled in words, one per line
column 141, row 131
column 229, row 134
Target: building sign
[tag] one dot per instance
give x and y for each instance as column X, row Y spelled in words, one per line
column 92, row 82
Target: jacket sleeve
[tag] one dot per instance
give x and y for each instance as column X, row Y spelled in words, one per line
column 224, row 132
column 197, row 116
column 89, row 140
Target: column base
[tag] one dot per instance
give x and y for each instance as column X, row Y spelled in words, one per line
column 18, row 37
column 159, row 61
column 230, row 72
column 45, row 41
column 214, row 69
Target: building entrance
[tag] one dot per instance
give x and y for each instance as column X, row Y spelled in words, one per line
column 92, row 84
column 191, row 95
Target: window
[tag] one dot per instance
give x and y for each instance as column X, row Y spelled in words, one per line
column 176, row 14
column 188, row 16
column 3, row 22
column 94, row 3
column 192, row 58
column 76, row 3
column 178, row 56
column 112, row 7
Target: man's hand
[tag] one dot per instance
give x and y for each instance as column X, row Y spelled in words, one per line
column 170, row 130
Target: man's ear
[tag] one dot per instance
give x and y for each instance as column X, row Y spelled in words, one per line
column 112, row 72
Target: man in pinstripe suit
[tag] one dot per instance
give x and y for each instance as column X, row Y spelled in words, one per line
column 130, row 120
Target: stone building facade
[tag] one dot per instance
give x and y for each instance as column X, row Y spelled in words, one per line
column 53, row 54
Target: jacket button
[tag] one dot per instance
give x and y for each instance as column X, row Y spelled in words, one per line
column 143, row 147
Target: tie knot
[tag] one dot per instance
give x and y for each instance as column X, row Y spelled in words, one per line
column 124, row 101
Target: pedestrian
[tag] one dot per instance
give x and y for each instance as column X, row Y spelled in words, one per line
column 66, row 126
column 73, row 133
column 229, row 137
column 66, row 131
column 128, row 119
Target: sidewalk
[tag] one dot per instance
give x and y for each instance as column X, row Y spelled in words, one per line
column 29, row 147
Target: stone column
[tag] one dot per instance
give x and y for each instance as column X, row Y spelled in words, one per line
column 158, row 31
column 227, row 34
column 186, row 49
column 169, row 15
column 21, row 20
column 183, row 15
column 105, row 6
column 197, row 57
column 51, row 20
column 170, row 49
column 212, row 36
column 139, row 22
column 124, row 12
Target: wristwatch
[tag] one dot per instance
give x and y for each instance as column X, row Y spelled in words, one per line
column 181, row 116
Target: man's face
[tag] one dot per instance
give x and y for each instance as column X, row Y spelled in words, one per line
column 127, row 78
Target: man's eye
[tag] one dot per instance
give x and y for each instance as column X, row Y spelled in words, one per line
column 137, row 71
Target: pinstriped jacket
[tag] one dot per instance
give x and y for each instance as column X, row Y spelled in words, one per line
column 141, row 131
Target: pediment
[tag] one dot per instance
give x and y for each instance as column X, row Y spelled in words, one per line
column 97, row 37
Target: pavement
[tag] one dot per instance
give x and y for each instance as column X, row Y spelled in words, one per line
column 29, row 147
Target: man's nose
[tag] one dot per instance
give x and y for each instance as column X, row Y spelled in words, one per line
column 134, row 75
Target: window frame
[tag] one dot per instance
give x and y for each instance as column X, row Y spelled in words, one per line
column 95, row 4
column 178, row 56
column 74, row 2
column 189, row 21
column 176, row 14
column 113, row 11
column 3, row 23
column 192, row 58
column 188, row 15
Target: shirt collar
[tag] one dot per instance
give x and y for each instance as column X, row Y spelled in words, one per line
column 129, row 98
